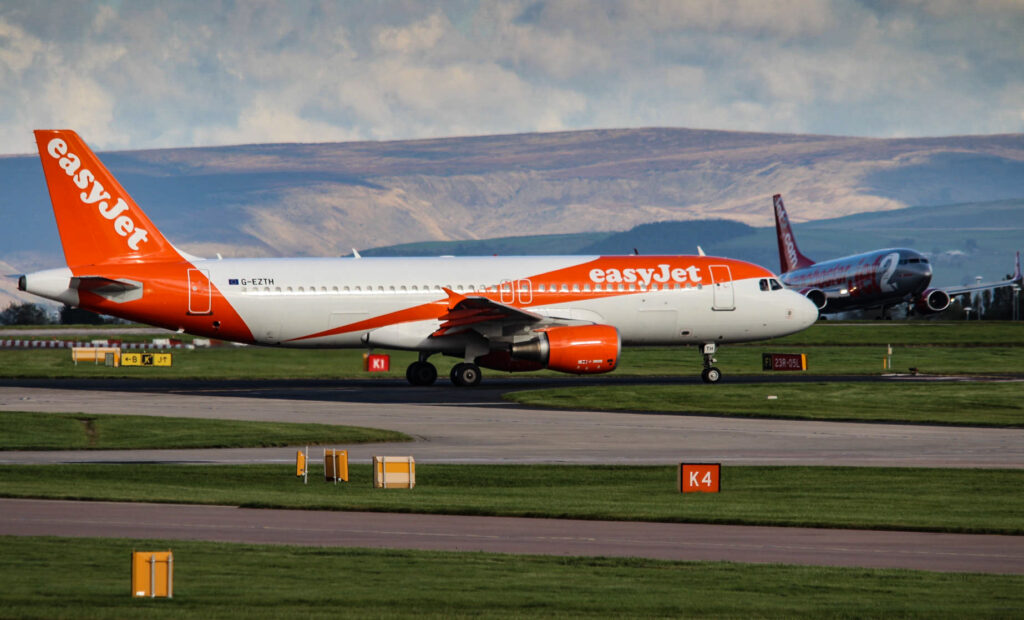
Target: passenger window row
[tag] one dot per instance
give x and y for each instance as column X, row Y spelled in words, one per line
column 541, row 288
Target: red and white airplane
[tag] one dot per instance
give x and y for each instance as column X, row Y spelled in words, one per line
column 877, row 279
column 567, row 313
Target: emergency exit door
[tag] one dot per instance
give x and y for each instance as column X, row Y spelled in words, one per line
column 199, row 296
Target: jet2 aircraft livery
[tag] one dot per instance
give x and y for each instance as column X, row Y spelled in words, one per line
column 882, row 278
column 567, row 313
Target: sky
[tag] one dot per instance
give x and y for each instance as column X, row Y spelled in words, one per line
column 151, row 74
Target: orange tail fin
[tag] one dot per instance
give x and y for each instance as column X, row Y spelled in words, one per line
column 99, row 223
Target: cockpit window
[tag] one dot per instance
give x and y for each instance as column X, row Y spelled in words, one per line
column 763, row 284
column 775, row 284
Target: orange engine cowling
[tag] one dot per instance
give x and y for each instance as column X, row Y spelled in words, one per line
column 579, row 349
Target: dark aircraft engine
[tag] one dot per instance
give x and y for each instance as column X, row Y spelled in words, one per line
column 932, row 300
column 580, row 349
column 817, row 297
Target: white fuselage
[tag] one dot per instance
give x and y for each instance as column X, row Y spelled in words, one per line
column 284, row 301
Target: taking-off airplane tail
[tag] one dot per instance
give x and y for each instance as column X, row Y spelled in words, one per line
column 790, row 257
column 567, row 313
column 876, row 279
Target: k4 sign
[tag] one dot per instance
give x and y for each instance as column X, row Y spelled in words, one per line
column 699, row 477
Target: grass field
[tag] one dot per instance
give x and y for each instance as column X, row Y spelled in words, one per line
column 266, row 363
column 950, row 500
column 881, row 333
column 55, row 578
column 75, row 578
column 967, row 404
column 832, row 348
column 21, row 430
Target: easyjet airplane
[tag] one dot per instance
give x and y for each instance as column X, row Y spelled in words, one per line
column 882, row 278
column 567, row 313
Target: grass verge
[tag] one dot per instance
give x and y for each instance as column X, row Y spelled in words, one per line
column 22, row 430
column 965, row 404
column 264, row 363
column 846, row 348
column 945, row 500
column 75, row 578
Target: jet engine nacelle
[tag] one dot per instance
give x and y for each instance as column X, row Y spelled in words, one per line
column 932, row 300
column 817, row 297
column 578, row 349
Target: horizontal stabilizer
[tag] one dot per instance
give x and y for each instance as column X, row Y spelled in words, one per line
column 118, row 291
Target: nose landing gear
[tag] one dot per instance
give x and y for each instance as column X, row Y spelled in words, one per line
column 710, row 374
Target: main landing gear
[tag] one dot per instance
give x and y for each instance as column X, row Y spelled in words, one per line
column 710, row 374
column 421, row 372
column 424, row 373
column 466, row 374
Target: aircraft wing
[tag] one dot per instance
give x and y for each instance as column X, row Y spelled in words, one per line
column 1017, row 279
column 473, row 312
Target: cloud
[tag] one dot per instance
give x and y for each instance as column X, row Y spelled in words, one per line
column 415, row 38
column 150, row 74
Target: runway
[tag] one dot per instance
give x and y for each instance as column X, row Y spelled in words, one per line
column 470, row 426
column 487, row 430
column 567, row 537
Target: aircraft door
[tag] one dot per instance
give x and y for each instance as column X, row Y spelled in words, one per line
column 512, row 291
column 507, row 291
column 524, row 290
column 724, row 294
column 199, row 297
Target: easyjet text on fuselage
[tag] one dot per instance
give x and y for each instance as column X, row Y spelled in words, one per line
column 661, row 274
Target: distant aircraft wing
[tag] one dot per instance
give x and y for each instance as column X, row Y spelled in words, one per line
column 473, row 312
column 1017, row 279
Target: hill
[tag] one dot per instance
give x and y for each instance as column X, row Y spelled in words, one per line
column 324, row 199
column 963, row 240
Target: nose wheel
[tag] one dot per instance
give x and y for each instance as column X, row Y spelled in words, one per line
column 710, row 374
column 466, row 374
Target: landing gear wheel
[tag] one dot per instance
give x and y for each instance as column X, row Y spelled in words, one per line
column 421, row 373
column 466, row 374
column 711, row 375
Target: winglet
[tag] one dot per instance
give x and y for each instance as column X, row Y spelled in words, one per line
column 790, row 257
column 453, row 298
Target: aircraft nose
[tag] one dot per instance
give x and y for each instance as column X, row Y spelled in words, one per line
column 805, row 313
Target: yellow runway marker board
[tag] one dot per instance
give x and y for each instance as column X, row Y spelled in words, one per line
column 394, row 472
column 153, row 574
column 145, row 359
